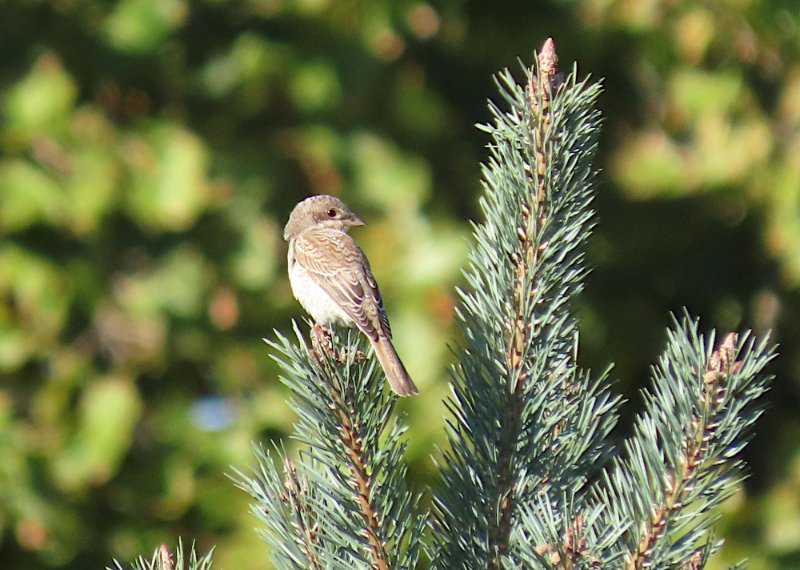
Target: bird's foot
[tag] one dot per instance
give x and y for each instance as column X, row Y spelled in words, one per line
column 322, row 344
column 321, row 341
column 342, row 355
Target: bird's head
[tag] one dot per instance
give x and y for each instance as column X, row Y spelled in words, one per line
column 320, row 211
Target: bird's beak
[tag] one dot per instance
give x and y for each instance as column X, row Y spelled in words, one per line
column 356, row 221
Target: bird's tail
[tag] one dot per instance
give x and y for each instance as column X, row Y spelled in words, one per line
column 396, row 373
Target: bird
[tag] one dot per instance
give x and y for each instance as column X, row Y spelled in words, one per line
column 331, row 278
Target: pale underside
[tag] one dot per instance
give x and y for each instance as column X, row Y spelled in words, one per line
column 315, row 300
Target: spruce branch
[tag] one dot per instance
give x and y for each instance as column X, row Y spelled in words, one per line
column 558, row 535
column 525, row 420
column 305, row 519
column 163, row 559
column 290, row 509
column 343, row 501
column 681, row 460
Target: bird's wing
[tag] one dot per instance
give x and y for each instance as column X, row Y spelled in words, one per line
column 336, row 263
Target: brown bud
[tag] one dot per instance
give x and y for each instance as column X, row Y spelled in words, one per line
column 165, row 557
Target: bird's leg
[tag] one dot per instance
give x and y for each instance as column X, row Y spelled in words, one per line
column 322, row 348
column 321, row 341
column 359, row 356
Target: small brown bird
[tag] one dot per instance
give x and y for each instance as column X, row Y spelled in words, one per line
column 331, row 278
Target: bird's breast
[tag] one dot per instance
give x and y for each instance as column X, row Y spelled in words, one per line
column 313, row 297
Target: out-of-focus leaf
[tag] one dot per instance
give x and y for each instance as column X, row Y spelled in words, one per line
column 694, row 92
column 315, row 85
column 435, row 251
column 256, row 261
column 41, row 294
column 782, row 514
column 10, row 451
column 67, row 371
column 92, row 175
column 141, row 25
column 716, row 148
column 387, row 176
column 789, row 105
column 29, row 195
column 417, row 108
column 694, row 32
column 648, row 165
column 249, row 66
column 784, row 212
column 727, row 153
column 168, row 168
column 179, row 480
column 136, row 337
column 40, row 103
column 176, row 286
column 109, row 410
column 15, row 347
column 90, row 189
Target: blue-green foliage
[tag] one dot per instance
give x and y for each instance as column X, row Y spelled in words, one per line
column 350, row 464
column 162, row 559
column 527, row 427
column 682, row 459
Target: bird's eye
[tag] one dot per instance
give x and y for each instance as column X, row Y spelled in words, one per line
column 331, row 213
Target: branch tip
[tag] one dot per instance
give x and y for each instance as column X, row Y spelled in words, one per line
column 165, row 558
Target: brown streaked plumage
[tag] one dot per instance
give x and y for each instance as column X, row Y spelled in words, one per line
column 331, row 277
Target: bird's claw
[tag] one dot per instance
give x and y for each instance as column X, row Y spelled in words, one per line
column 321, row 337
column 322, row 343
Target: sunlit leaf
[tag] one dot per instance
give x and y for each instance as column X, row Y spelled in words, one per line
column 650, row 165
column 41, row 294
column 386, row 175
column 30, row 195
column 91, row 189
column 109, row 410
column 168, row 189
column 176, row 285
column 315, row 86
column 695, row 92
column 40, row 103
column 140, row 25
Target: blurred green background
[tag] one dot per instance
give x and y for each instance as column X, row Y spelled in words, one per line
column 150, row 151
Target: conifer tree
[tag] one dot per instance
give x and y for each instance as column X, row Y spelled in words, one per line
column 529, row 478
